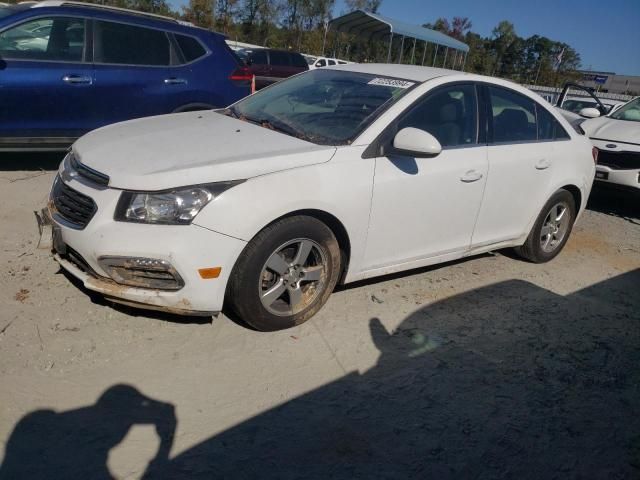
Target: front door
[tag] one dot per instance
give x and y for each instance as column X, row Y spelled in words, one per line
column 427, row 207
column 46, row 84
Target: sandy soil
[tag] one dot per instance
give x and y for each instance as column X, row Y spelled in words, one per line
column 486, row 368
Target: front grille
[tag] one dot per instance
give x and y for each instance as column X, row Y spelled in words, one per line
column 619, row 160
column 88, row 173
column 73, row 206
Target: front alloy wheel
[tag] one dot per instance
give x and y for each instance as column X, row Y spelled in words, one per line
column 285, row 274
column 292, row 277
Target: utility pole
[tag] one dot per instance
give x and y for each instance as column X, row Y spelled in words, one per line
column 213, row 14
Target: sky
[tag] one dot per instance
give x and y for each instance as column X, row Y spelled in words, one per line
column 606, row 33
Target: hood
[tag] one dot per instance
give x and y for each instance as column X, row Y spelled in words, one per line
column 168, row 151
column 605, row 128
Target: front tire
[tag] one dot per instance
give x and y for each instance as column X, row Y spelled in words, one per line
column 551, row 230
column 285, row 274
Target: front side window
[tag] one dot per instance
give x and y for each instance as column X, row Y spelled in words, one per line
column 59, row 39
column 321, row 63
column 326, row 107
column 630, row 111
column 450, row 115
column 298, row 60
column 513, row 116
column 118, row 43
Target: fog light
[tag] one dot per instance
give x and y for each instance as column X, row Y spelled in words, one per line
column 142, row 272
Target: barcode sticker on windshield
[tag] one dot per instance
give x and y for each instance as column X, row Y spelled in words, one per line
column 391, row 82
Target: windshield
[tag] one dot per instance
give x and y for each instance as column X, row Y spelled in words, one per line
column 631, row 111
column 326, row 107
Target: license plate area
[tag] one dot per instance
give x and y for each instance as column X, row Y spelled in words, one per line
column 50, row 233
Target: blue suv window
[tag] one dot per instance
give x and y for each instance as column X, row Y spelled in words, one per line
column 45, row 39
column 190, row 47
column 118, row 43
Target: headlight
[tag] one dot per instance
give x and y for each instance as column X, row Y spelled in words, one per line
column 172, row 207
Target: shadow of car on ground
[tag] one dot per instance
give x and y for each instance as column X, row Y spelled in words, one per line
column 506, row 381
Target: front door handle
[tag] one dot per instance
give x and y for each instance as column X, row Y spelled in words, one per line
column 175, row 81
column 76, row 79
column 471, row 176
column 543, row 164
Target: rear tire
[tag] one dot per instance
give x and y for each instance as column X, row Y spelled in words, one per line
column 285, row 274
column 551, row 230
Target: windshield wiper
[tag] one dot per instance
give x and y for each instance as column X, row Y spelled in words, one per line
column 278, row 127
column 230, row 112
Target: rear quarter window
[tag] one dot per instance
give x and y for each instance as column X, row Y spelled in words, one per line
column 191, row 48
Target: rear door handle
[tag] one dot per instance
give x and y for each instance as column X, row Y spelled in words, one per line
column 175, row 81
column 471, row 176
column 543, row 164
column 76, row 79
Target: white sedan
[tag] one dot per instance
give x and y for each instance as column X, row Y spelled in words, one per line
column 617, row 137
column 335, row 175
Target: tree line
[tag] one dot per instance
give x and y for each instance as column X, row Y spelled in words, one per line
column 301, row 25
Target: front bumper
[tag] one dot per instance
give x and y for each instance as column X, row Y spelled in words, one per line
column 626, row 178
column 187, row 248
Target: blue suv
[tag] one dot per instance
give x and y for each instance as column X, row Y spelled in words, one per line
column 67, row 68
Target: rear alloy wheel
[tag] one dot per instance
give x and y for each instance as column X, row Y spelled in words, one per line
column 285, row 274
column 551, row 230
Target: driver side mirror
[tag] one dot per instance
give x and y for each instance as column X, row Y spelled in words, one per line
column 590, row 112
column 416, row 143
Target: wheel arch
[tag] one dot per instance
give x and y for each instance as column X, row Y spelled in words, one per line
column 336, row 226
column 575, row 193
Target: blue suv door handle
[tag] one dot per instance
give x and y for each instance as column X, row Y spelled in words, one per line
column 175, row 81
column 75, row 79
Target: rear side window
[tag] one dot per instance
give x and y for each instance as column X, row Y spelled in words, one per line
column 279, row 58
column 59, row 39
column 548, row 127
column 191, row 48
column 259, row 57
column 298, row 60
column 513, row 115
column 332, row 62
column 117, row 43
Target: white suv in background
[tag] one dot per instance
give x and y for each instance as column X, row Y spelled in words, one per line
column 617, row 137
column 319, row 62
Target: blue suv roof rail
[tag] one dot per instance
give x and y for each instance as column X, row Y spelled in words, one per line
column 60, row 3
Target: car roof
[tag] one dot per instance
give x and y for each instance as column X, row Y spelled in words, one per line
column 48, row 5
column 407, row 72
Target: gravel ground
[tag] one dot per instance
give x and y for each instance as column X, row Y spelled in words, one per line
column 485, row 368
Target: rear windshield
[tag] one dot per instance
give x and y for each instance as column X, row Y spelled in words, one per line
column 10, row 10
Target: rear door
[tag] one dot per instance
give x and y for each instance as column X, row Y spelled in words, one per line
column 521, row 162
column 132, row 71
column 46, row 79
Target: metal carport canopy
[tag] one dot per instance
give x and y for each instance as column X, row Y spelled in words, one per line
column 376, row 26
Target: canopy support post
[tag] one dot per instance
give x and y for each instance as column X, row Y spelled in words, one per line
column 389, row 51
column 464, row 60
column 444, row 64
column 435, row 54
column 401, row 50
column 413, row 53
column 424, row 53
